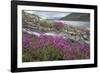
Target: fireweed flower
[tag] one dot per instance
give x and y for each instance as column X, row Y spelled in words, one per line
column 85, row 49
column 69, row 49
column 26, row 40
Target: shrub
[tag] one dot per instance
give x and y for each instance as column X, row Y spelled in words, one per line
column 58, row 25
column 47, row 53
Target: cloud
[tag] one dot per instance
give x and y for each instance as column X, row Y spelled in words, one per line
column 48, row 15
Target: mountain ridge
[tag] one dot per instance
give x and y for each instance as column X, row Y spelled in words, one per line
column 77, row 17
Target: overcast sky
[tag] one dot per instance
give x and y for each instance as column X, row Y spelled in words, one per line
column 48, row 15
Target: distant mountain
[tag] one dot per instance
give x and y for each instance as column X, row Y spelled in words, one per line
column 77, row 17
column 54, row 18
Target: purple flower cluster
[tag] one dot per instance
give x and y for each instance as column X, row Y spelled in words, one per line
column 59, row 42
column 78, row 50
column 70, row 50
column 84, row 49
column 58, row 25
column 26, row 40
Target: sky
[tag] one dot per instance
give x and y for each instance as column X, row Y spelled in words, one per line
column 48, row 15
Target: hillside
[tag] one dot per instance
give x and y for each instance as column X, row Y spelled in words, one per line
column 77, row 17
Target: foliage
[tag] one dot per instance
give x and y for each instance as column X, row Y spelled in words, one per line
column 47, row 53
column 58, row 25
column 45, row 24
column 47, row 48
